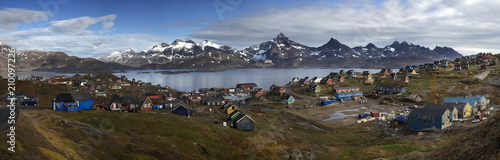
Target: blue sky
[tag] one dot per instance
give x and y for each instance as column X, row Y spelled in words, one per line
column 94, row 28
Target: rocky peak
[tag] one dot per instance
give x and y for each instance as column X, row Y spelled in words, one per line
column 281, row 39
column 370, row 45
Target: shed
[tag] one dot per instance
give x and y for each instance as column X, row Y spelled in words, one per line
column 245, row 123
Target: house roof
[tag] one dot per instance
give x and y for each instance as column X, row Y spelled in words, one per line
column 140, row 101
column 428, row 111
column 180, row 107
column 458, row 105
column 471, row 101
column 73, row 97
column 25, row 94
column 242, row 117
column 340, row 88
column 437, row 106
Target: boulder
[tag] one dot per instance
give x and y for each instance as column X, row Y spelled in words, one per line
column 296, row 154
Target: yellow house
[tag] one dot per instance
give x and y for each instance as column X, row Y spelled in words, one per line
column 413, row 72
column 369, row 76
column 230, row 109
column 464, row 108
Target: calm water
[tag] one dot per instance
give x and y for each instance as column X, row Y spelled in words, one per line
column 264, row 78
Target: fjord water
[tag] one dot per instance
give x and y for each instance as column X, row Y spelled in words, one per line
column 229, row 78
column 263, row 77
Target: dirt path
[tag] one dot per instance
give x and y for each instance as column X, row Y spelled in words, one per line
column 311, row 100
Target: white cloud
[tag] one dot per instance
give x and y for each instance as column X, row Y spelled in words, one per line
column 11, row 17
column 470, row 26
column 72, row 35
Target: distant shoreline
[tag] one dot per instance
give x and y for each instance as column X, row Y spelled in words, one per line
column 179, row 72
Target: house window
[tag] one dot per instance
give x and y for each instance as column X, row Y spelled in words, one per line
column 424, row 121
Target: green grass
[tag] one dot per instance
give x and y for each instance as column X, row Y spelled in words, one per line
column 398, row 149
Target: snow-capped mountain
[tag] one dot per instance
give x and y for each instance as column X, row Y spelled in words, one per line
column 278, row 50
column 3, row 45
column 163, row 52
column 281, row 48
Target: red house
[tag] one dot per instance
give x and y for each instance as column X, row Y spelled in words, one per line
column 246, row 85
column 406, row 79
column 151, row 95
column 303, row 81
column 144, row 105
column 326, row 81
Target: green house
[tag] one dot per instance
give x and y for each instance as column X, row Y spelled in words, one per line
column 314, row 88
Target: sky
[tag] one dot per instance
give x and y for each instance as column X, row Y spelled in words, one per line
column 95, row 28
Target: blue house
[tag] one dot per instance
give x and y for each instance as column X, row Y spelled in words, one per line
column 181, row 111
column 477, row 102
column 288, row 99
column 429, row 119
column 472, row 102
column 72, row 102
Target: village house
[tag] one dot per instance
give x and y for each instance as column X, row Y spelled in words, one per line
column 393, row 76
column 72, row 102
column 411, row 72
column 258, row 92
column 345, row 89
column 405, row 79
column 477, row 102
column 254, row 109
column 246, row 86
column 453, row 111
column 130, row 104
column 243, row 122
column 342, row 72
column 369, row 76
column 429, row 119
column 384, row 72
column 277, row 89
column 388, row 90
column 287, row 98
column 355, row 94
column 295, row 79
column 303, row 81
column 229, row 108
column 464, row 108
column 314, row 88
column 326, row 81
column 213, row 101
column 457, row 67
column 408, row 68
column 365, row 73
column 180, row 110
column 315, row 80
column 338, row 78
column 151, row 95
